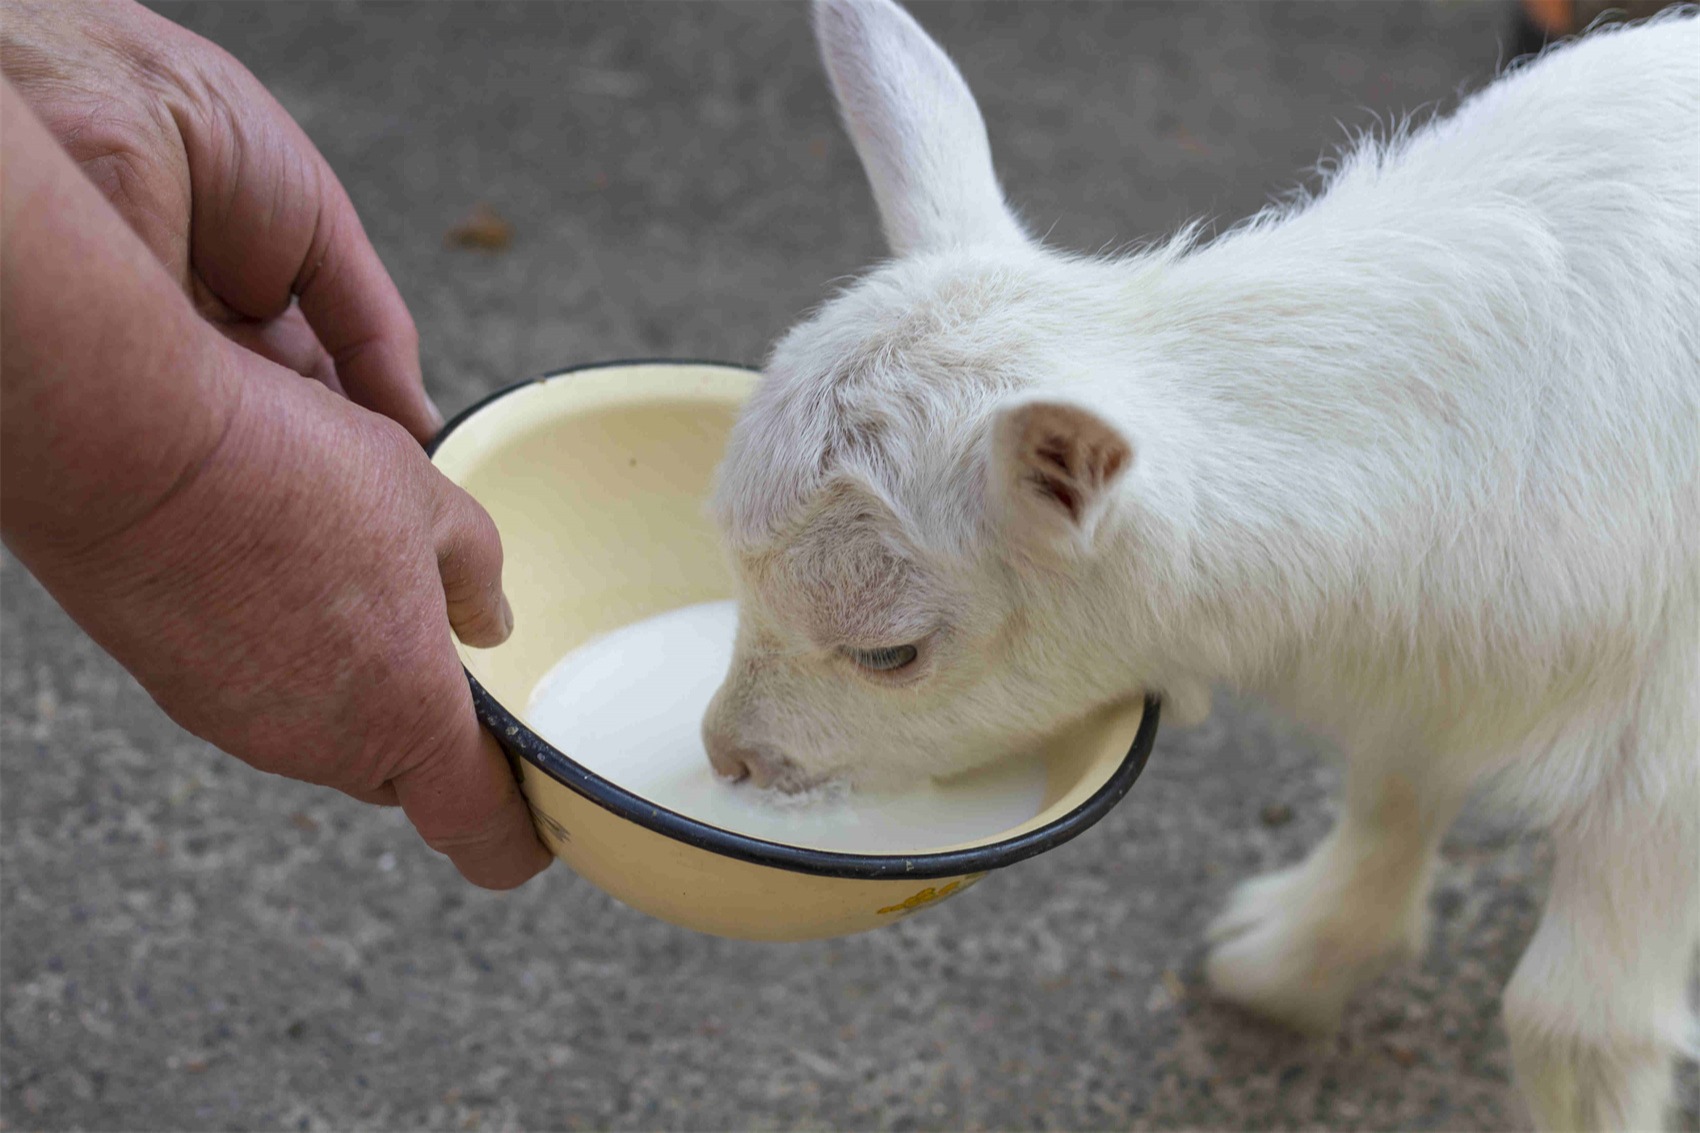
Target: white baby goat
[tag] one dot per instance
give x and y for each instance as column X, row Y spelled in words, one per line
column 1418, row 459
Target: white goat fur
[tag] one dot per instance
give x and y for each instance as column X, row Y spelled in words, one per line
column 1417, row 458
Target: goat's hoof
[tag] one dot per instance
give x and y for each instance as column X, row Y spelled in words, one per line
column 1285, row 951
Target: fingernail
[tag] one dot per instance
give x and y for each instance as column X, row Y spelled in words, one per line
column 507, row 615
column 436, row 415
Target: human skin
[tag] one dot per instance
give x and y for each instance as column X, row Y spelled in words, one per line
column 271, row 555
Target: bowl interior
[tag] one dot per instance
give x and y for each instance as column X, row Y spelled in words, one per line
column 598, row 480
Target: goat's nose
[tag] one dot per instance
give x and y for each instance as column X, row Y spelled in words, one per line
column 736, row 761
column 728, row 762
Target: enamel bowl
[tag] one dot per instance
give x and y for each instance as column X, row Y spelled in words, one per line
column 597, row 479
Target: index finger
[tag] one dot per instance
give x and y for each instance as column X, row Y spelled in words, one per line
column 270, row 221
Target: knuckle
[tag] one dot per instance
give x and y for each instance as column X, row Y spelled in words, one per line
column 475, row 819
column 484, row 533
column 414, row 712
column 476, row 623
column 473, row 833
column 472, row 537
column 397, row 446
column 406, row 331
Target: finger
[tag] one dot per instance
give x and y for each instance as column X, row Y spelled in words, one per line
column 382, row 795
column 469, row 558
column 271, row 221
column 464, row 802
column 288, row 341
column 359, row 315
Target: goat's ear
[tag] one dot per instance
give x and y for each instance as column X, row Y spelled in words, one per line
column 915, row 126
column 1054, row 468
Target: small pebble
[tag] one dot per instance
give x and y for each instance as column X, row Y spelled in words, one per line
column 1173, row 985
column 483, row 229
column 1277, row 814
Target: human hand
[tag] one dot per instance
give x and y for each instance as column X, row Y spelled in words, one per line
column 225, row 189
column 279, row 568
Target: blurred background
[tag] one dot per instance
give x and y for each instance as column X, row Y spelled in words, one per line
column 187, row 944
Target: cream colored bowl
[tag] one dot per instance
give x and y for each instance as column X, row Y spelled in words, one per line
column 596, row 478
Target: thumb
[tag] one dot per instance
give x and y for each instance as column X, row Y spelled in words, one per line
column 459, row 791
column 469, row 559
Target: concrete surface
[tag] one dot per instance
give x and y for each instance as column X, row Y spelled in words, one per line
column 190, row 945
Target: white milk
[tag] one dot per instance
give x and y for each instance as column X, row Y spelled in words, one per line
column 629, row 706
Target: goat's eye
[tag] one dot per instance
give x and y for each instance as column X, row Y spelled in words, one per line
column 887, row 660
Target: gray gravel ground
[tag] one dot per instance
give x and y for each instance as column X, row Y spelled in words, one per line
column 190, row 945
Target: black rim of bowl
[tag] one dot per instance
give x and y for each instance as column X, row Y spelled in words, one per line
column 520, row 741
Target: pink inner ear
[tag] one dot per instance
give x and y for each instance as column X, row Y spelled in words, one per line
column 1058, row 490
column 1112, row 461
column 1053, row 476
column 1067, row 463
column 1055, row 450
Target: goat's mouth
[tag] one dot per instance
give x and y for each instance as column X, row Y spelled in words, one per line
column 759, row 767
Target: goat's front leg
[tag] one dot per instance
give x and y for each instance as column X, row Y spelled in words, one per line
column 1293, row 945
column 1599, row 1003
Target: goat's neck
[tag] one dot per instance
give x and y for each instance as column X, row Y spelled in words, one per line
column 1293, row 435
